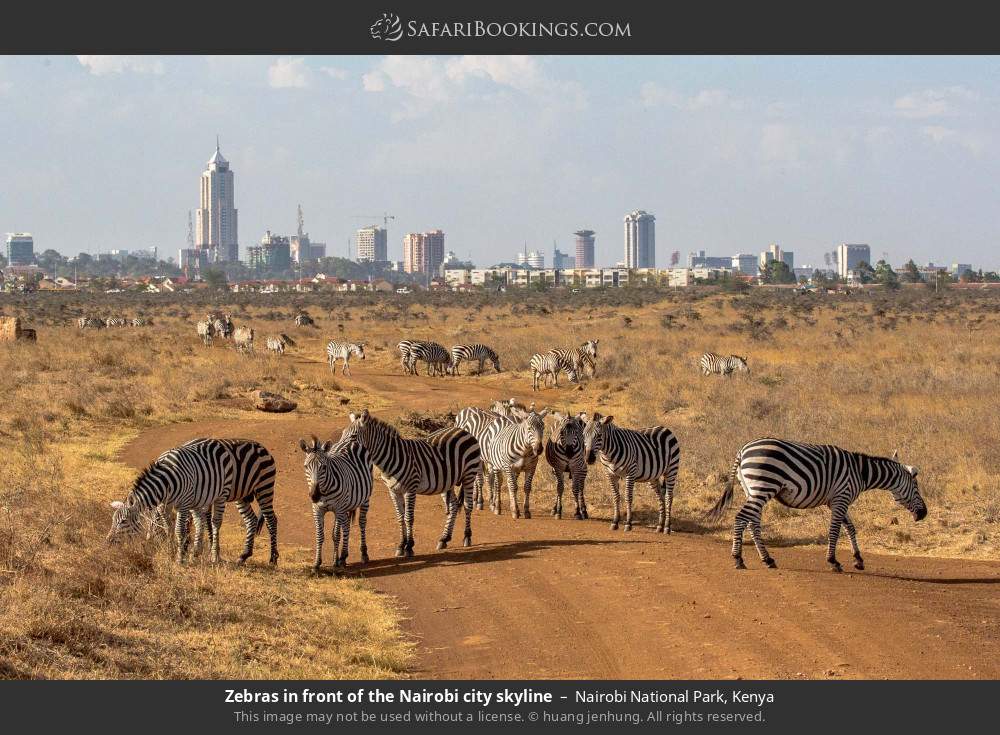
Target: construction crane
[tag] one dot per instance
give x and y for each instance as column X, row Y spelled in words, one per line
column 373, row 217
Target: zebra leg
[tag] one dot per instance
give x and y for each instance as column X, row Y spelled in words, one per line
column 397, row 504
column 449, row 521
column 267, row 511
column 495, row 500
column 579, row 479
column 344, row 521
column 765, row 557
column 529, row 476
column 629, row 490
column 836, row 520
column 347, row 367
column 557, row 505
column 218, row 509
column 250, row 529
column 859, row 563
column 616, row 500
column 477, row 491
column 511, row 478
column 335, row 536
column 318, row 515
column 362, row 530
column 181, row 534
column 466, row 498
column 660, row 491
column 198, row 521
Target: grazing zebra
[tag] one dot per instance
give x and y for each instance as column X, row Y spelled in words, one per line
column 223, row 324
column 564, row 451
column 243, row 339
column 551, row 363
column 206, row 330
column 638, row 455
column 199, row 476
column 343, row 351
column 580, row 357
column 476, row 421
column 339, row 478
column 478, row 352
column 513, row 446
column 438, row 359
column 712, row 363
column 428, row 466
column 806, row 476
column 90, row 322
column 115, row 321
column 304, row 320
column 404, row 347
column 277, row 343
column 141, row 321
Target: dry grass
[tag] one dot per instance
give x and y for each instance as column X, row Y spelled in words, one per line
column 873, row 373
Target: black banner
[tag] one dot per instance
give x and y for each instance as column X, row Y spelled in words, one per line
column 513, row 706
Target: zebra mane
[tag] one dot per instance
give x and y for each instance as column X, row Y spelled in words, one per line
column 140, row 479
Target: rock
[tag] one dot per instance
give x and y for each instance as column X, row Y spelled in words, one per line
column 271, row 402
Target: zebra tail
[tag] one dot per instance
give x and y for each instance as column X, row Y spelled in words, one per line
column 722, row 504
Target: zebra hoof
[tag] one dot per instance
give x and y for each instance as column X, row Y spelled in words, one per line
column 400, row 550
column 628, row 526
column 835, row 567
column 859, row 564
column 770, row 563
column 467, row 541
column 409, row 553
column 527, row 514
column 442, row 545
column 273, row 561
column 739, row 563
column 614, row 526
column 586, row 516
column 660, row 529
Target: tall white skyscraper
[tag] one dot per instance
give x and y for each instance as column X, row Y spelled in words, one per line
column 850, row 255
column 640, row 240
column 372, row 244
column 215, row 230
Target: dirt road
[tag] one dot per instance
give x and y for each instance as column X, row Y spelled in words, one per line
column 543, row 598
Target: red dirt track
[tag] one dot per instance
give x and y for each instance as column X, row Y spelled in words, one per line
column 543, row 598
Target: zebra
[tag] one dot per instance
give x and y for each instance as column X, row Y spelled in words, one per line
column 339, row 477
column 551, row 363
column 478, row 352
column 223, row 324
column 304, row 320
column 141, row 321
column 581, row 357
column 199, row 476
column 206, row 330
column 277, row 343
column 803, row 476
column 476, row 421
column 243, row 339
column 564, row 451
column 438, row 359
column 404, row 348
column 638, row 455
column 115, row 321
column 90, row 322
column 343, row 351
column 428, row 466
column 513, row 446
column 711, row 363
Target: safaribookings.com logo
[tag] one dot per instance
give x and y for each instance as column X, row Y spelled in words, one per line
column 390, row 28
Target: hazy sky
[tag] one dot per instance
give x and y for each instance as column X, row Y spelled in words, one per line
column 730, row 154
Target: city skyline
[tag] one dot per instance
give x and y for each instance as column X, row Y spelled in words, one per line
column 732, row 154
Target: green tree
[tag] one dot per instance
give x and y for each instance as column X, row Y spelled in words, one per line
column 776, row 271
column 866, row 274
column 216, row 279
column 911, row 274
column 885, row 275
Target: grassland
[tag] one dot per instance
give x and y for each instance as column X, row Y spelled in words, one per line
column 912, row 370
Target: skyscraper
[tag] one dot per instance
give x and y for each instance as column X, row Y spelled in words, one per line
column 216, row 219
column 640, row 240
column 372, row 244
column 20, row 248
column 584, row 248
column 849, row 256
column 423, row 252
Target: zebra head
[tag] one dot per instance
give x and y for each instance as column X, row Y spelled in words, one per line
column 590, row 347
column 503, row 408
column 531, row 430
column 317, row 476
column 496, row 363
column 359, row 350
column 567, row 432
column 903, row 485
column 126, row 520
column 740, row 364
column 593, row 435
column 359, row 429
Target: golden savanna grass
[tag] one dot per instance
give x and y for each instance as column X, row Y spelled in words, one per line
column 877, row 372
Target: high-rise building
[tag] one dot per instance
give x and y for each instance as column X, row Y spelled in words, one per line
column 532, row 260
column 192, row 260
column 640, row 240
column 849, row 256
column 372, row 244
column 700, row 260
column 745, row 263
column 273, row 253
column 774, row 252
column 216, row 228
column 423, row 252
column 584, row 248
column 561, row 260
column 20, row 248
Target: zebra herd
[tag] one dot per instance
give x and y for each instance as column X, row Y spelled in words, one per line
column 112, row 322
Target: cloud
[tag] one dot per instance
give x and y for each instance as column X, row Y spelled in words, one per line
column 102, row 65
column 335, row 72
column 928, row 103
column 781, row 145
column 941, row 135
column 289, row 73
column 655, row 95
column 517, row 72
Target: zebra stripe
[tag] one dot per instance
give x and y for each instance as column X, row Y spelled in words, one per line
column 339, row 478
column 223, row 324
column 428, row 466
column 438, row 359
column 513, row 446
column 564, row 451
column 477, row 352
column 550, row 364
column 718, row 365
column 404, row 348
column 304, row 320
column 243, row 339
column 580, row 357
column 141, row 321
column 206, row 330
column 90, row 322
column 343, row 351
column 115, row 321
column 637, row 455
column 801, row 475
column 198, row 476
column 476, row 421
column 277, row 343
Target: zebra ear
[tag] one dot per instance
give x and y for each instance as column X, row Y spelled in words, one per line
column 117, row 504
column 607, row 420
column 544, row 412
column 303, row 446
column 911, row 470
column 895, row 454
column 327, row 446
column 364, row 416
column 597, row 416
column 353, row 417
